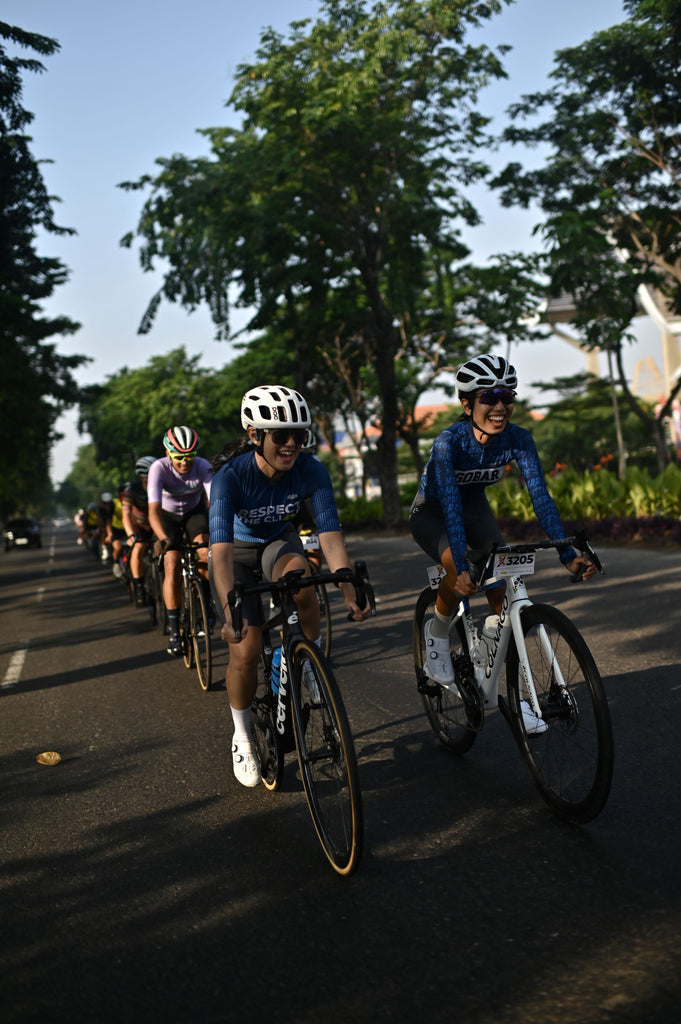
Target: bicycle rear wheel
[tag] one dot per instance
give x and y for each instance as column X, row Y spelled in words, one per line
column 159, row 603
column 200, row 634
column 445, row 707
column 324, row 612
column 326, row 755
column 571, row 761
column 264, row 728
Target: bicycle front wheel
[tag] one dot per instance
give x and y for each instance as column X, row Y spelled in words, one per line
column 264, row 728
column 445, row 707
column 326, row 755
column 200, row 634
column 324, row 612
column 571, row 760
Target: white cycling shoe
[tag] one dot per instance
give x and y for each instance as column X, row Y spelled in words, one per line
column 245, row 763
column 438, row 664
column 533, row 726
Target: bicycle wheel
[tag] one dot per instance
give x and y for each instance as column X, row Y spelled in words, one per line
column 571, row 761
column 326, row 755
column 324, row 612
column 150, row 592
column 200, row 634
column 264, row 729
column 447, row 712
column 185, row 625
column 159, row 603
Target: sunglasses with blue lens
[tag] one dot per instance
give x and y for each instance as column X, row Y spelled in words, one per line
column 490, row 396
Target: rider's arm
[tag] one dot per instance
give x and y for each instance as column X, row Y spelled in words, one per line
column 126, row 516
column 222, row 562
column 155, row 520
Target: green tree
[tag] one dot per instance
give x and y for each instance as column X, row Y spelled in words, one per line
column 36, row 382
column 609, row 187
column 350, row 169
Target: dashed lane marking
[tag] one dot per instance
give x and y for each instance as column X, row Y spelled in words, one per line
column 14, row 669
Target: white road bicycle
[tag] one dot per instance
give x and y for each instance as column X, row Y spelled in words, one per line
column 550, row 673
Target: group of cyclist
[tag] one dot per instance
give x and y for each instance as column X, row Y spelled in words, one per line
column 241, row 508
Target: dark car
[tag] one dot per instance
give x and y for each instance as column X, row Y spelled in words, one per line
column 24, row 531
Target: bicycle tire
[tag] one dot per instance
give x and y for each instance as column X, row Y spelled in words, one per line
column 159, row 603
column 326, row 756
column 200, row 634
column 444, row 707
column 149, row 592
column 571, row 762
column 324, row 612
column 185, row 626
column 264, row 728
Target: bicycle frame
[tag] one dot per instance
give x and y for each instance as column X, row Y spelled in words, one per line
column 487, row 672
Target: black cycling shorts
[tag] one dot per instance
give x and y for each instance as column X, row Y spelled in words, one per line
column 254, row 561
column 194, row 523
column 427, row 524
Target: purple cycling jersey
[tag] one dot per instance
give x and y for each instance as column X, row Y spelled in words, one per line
column 175, row 492
column 247, row 505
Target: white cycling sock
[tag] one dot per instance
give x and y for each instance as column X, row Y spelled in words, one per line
column 441, row 624
column 242, row 724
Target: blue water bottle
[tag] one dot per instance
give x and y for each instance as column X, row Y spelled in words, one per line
column 276, row 669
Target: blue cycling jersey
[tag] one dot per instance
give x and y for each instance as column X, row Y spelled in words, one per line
column 460, row 468
column 247, row 505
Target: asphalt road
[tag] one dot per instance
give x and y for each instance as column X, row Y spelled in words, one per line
column 140, row 882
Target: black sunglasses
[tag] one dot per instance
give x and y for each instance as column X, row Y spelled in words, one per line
column 299, row 435
column 490, row 396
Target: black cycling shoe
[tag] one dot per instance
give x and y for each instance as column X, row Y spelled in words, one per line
column 175, row 645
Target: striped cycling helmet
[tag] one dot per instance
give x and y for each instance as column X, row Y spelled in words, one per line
column 486, row 371
column 181, row 441
column 143, row 465
column 273, row 405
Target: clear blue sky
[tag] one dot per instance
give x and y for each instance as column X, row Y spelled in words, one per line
column 133, row 81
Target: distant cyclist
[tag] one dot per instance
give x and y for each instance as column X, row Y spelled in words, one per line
column 178, row 487
column 260, row 485
column 450, row 512
column 138, row 532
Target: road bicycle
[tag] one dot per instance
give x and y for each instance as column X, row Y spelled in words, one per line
column 194, row 623
column 306, row 713
column 313, row 553
column 550, row 674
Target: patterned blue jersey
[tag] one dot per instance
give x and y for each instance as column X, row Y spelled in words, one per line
column 247, row 505
column 460, row 466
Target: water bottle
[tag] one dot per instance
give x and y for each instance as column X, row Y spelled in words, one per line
column 276, row 669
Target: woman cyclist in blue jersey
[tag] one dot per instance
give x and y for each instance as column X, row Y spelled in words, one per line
column 450, row 512
column 259, row 486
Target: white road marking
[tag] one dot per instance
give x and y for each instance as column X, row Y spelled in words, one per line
column 16, row 664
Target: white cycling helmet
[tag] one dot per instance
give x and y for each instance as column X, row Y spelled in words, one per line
column 143, row 465
column 273, row 405
column 486, row 371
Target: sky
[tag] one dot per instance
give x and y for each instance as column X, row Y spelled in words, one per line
column 134, row 81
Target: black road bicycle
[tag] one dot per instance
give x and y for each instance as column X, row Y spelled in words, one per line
column 307, row 713
column 194, row 624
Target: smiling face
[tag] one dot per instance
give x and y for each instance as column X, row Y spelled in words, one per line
column 280, row 449
column 490, row 419
column 182, row 464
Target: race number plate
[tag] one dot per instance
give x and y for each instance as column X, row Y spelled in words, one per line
column 310, row 541
column 435, row 574
column 514, row 564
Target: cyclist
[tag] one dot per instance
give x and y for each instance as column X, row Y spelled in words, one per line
column 450, row 511
column 178, row 488
column 259, row 487
column 135, row 514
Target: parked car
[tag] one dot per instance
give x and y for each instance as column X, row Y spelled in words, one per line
column 24, row 531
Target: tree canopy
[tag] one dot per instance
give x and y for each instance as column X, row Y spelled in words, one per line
column 36, row 382
column 334, row 212
column 609, row 186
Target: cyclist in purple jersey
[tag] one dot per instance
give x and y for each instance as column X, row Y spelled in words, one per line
column 259, row 486
column 178, row 487
column 450, row 512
